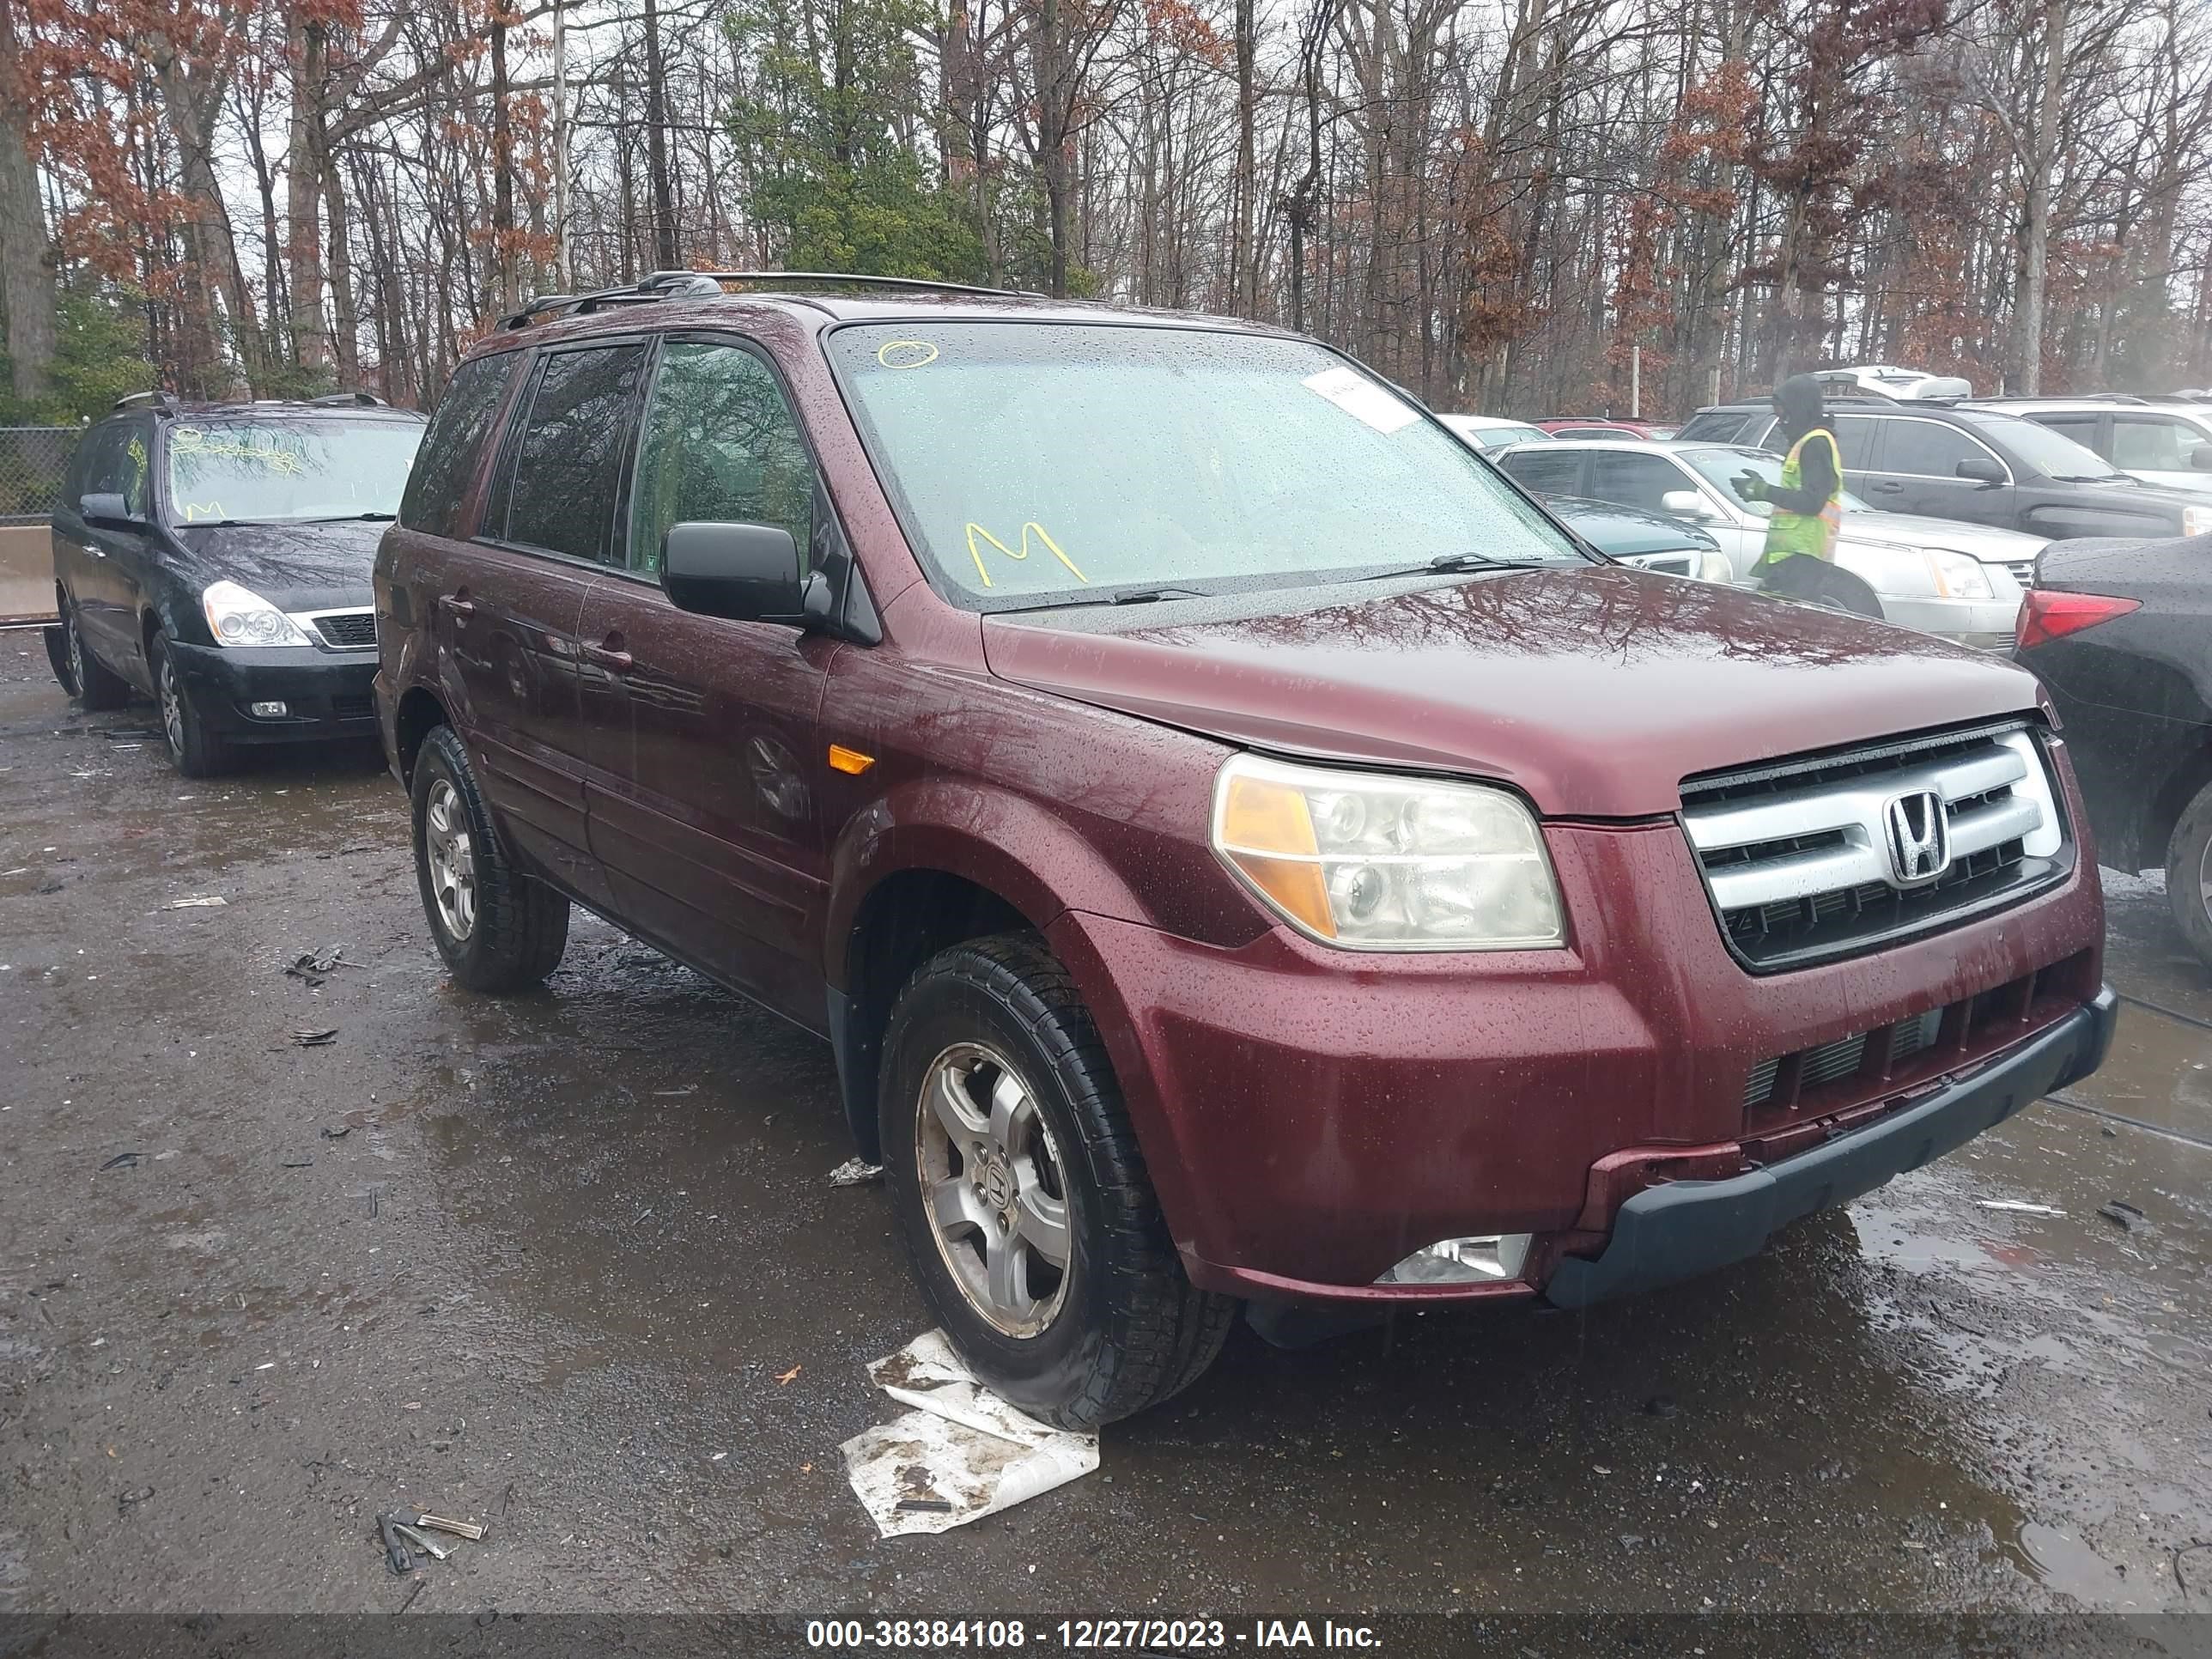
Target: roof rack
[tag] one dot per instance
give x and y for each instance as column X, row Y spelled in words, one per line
column 337, row 399
column 162, row 402
column 696, row 284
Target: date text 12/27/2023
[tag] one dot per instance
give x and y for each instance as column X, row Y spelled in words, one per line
column 1127, row 1635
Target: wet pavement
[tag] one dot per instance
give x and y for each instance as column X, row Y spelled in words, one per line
column 571, row 1265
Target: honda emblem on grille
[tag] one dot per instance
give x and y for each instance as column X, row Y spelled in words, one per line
column 1919, row 837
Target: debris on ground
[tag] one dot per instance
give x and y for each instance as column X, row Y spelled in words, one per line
column 2018, row 1206
column 2124, row 1214
column 299, row 1162
column 784, row 1378
column 206, row 902
column 468, row 1529
column 122, row 1161
column 315, row 1039
column 311, row 966
column 128, row 733
column 961, row 1454
column 127, row 1501
column 396, row 1554
column 338, row 1133
column 421, row 1541
column 856, row 1172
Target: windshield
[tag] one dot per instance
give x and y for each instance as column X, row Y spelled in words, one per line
column 2051, row 453
column 1722, row 467
column 1036, row 462
column 269, row 472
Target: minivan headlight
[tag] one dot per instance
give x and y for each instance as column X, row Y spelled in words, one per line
column 238, row 616
column 1372, row 862
column 2196, row 521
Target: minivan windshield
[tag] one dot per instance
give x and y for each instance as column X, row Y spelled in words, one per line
column 1040, row 463
column 287, row 471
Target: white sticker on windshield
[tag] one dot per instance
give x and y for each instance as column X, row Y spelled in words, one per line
column 1359, row 397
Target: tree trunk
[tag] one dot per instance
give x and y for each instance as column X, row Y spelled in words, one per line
column 2035, row 218
column 1243, row 260
column 502, row 164
column 656, row 144
column 347, row 338
column 27, row 274
column 303, row 187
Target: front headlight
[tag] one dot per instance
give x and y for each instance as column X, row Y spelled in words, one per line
column 1959, row 577
column 1372, row 862
column 1715, row 567
column 238, row 616
column 2196, row 521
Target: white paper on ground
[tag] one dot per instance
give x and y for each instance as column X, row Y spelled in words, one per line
column 1360, row 397
column 962, row 1447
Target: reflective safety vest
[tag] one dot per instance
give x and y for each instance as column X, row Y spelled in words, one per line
column 1791, row 533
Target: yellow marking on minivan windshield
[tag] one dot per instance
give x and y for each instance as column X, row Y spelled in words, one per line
column 906, row 354
column 1051, row 546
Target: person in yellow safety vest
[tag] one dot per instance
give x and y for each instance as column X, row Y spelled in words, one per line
column 1798, row 561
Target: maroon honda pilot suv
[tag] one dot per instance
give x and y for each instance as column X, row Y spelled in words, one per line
column 1238, row 848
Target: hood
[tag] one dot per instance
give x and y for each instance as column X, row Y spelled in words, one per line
column 1986, row 542
column 1595, row 690
column 296, row 567
column 1624, row 531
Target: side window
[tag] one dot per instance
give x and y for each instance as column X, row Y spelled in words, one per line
column 562, row 491
column 1545, row 472
column 1633, row 480
column 99, row 469
column 1715, row 426
column 133, row 465
column 1857, row 438
column 1928, row 449
column 2151, row 443
column 720, row 445
column 445, row 464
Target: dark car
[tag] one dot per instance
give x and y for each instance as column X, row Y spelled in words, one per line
column 1978, row 464
column 1650, row 541
column 2121, row 635
column 1238, row 848
column 217, row 556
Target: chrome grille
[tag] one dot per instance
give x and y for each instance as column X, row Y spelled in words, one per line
column 348, row 630
column 1683, row 563
column 1798, row 858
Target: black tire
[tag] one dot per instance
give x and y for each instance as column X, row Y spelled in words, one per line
column 518, row 926
column 2189, row 873
column 1129, row 1329
column 83, row 675
column 194, row 751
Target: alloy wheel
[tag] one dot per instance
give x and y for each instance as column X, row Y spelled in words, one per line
column 172, row 706
column 2205, row 878
column 74, row 642
column 991, row 1183
column 446, row 844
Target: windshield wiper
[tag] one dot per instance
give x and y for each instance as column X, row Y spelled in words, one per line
column 2091, row 477
column 1136, row 596
column 352, row 517
column 1453, row 563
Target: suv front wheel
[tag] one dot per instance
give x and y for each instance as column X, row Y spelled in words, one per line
column 498, row 927
column 1028, row 1215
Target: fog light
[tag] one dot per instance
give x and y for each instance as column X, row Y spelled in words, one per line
column 269, row 711
column 1462, row 1260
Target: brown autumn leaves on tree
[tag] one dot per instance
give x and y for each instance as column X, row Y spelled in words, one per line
column 1499, row 204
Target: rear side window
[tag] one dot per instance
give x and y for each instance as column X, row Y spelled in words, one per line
column 561, row 494
column 445, row 464
column 2081, row 429
column 1928, row 449
column 1856, row 437
column 1544, row 472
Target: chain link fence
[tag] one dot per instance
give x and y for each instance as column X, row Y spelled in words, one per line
column 33, row 460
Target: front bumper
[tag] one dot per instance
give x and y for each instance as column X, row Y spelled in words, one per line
column 1987, row 624
column 327, row 694
column 1685, row 1228
column 1309, row 1121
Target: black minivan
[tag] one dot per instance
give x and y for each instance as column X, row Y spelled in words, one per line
column 1975, row 464
column 216, row 558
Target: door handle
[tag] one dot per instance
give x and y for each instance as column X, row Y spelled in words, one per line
column 459, row 604
column 609, row 656
column 1888, row 487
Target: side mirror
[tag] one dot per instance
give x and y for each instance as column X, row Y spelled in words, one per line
column 1685, row 504
column 746, row 572
column 106, row 507
column 2200, row 458
column 1981, row 470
